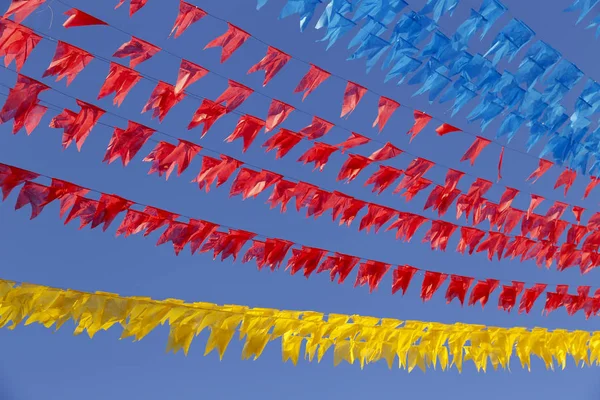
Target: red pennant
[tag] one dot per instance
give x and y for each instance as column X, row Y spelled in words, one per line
column 445, row 129
column 22, row 104
column 415, row 188
column 126, row 143
column 282, row 194
column 555, row 300
column 303, row 192
column 543, row 167
column 250, row 183
column 278, row 112
column 578, row 212
column 271, row 63
column 354, row 140
column 35, row 195
column 22, row 8
column 313, row 78
column 134, row 5
column 500, row 160
column 208, row 113
column 457, row 288
column 568, row 256
column 421, row 121
column 79, row 18
column 178, row 233
column 508, row 296
column 318, row 203
column 137, row 50
column 494, row 244
column 230, row 41
column 120, row 80
column 507, row 198
column 385, row 110
column 370, row 273
column 473, row 199
column 133, row 223
column 566, row 178
column 481, row 291
column 212, row 169
column 255, row 252
column 78, row 128
column 84, row 209
column 556, row 211
column 247, row 128
column 402, row 277
column 67, row 193
column 188, row 74
column 275, row 251
column 439, row 234
column 385, row 153
column 574, row 303
column 416, row 169
column 165, row 156
column 431, row 283
column 317, row 129
column 441, row 199
column 227, row 244
column 594, row 181
column 407, row 225
column 469, row 237
column 16, row 42
column 162, row 99
column 234, row 95
column 452, row 178
column 473, row 152
column 188, row 14
column 109, row 206
column 576, row 234
column 352, row 96
column 319, row 154
column 339, row 265
column 518, row 247
column 68, row 61
column 383, row 178
column 530, row 296
column 536, row 200
column 352, row 167
column 201, row 230
column 346, row 206
column 283, row 141
column 376, row 217
column 307, row 258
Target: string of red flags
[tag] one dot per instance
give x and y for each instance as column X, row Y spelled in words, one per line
column 204, row 236
column 541, row 245
column 235, row 37
column 120, row 80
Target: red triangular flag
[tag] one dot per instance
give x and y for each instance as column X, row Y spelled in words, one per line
column 278, row 112
column 421, row 120
column 313, row 78
column 445, row 129
column 352, row 96
column 543, row 166
column 137, row 50
column 247, row 128
column 230, row 41
column 188, row 14
column 271, row 63
column 188, row 74
column 120, row 80
column 473, row 152
column 79, row 18
column 385, row 110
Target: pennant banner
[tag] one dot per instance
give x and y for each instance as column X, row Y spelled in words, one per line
column 351, row 338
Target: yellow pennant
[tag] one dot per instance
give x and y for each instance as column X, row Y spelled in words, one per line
column 351, row 338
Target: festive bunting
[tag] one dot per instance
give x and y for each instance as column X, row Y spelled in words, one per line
column 234, row 95
column 125, row 144
column 473, row 152
column 22, row 104
column 120, row 80
column 188, row 14
column 421, row 120
column 79, row 18
column 313, row 79
column 134, row 5
column 230, row 41
column 208, row 113
column 16, row 42
column 271, row 64
column 247, row 128
column 386, row 109
column 188, row 74
column 162, row 99
column 68, row 61
column 77, row 126
column 278, row 112
column 352, row 97
column 137, row 50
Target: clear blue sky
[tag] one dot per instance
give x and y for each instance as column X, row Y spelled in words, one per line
column 39, row 363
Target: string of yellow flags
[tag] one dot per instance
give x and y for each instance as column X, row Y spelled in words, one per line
column 351, row 338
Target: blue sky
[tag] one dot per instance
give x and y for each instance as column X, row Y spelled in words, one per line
column 39, row 362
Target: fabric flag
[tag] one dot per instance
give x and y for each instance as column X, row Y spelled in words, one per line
column 16, row 42
column 234, row 95
column 354, row 140
column 247, row 128
column 166, row 156
column 162, row 99
column 208, row 113
column 11, row 177
column 500, row 161
column 372, row 48
column 313, row 78
column 271, row 63
column 79, row 18
column 352, row 96
column 536, row 200
column 120, row 80
column 137, row 50
column 219, row 170
column 34, row 194
column 473, row 152
column 134, row 5
column 594, row 181
column 352, row 167
column 307, row 258
column 508, row 295
column 319, row 154
column 338, row 27
column 385, row 153
column 278, row 112
column 230, row 41
column 22, row 104
column 431, row 283
column 376, row 217
column 188, row 14
column 188, row 74
column 22, row 8
column 383, row 178
column 250, row 183
column 125, row 144
column 317, row 129
column 339, row 265
column 439, row 8
column 583, row 6
column 457, row 288
column 402, row 277
column 566, row 179
column 481, row 292
column 421, row 121
column 77, row 126
column 68, row 61
column 370, row 273
column 283, row 141
column 543, row 167
column 445, row 129
column 304, row 8
column 385, row 110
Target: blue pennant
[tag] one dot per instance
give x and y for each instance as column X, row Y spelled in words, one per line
column 383, row 11
column 554, row 117
column 491, row 10
column 462, row 92
column 509, row 90
column 401, row 49
column 404, row 66
column 304, row 8
column 413, row 27
column 584, row 7
column 371, row 27
column 460, row 63
column 434, row 81
column 561, row 80
column 536, row 131
column 372, row 48
column 260, row 4
column 467, row 29
column 510, row 126
column 539, row 59
column 532, row 106
column 439, row 8
column 334, row 6
column 488, row 109
column 338, row 26
column 441, row 48
column 510, row 40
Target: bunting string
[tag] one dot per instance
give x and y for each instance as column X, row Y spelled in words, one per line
column 351, row 338
column 328, row 74
column 544, row 231
column 286, row 139
column 227, row 241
